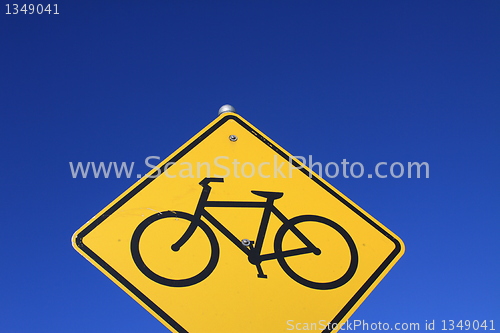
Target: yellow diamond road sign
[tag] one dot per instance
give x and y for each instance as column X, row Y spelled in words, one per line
column 230, row 233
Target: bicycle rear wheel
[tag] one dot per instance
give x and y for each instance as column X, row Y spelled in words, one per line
column 151, row 248
column 332, row 258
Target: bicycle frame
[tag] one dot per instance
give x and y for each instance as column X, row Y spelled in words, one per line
column 253, row 252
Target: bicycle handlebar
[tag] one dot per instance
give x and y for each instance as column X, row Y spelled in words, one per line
column 208, row 180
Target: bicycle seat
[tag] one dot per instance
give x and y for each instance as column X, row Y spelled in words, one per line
column 269, row 195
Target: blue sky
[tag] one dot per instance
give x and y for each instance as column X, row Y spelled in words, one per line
column 393, row 81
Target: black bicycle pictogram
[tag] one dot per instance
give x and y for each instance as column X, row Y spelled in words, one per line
column 253, row 249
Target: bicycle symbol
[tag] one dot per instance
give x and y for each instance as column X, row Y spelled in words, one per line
column 252, row 249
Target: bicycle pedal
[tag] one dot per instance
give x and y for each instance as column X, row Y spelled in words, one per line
column 262, row 276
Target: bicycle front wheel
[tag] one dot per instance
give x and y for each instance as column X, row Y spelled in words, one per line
column 316, row 252
column 191, row 263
